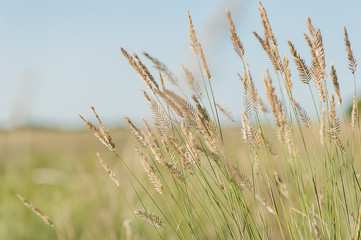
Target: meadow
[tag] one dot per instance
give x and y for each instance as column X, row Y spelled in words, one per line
column 58, row 172
column 281, row 174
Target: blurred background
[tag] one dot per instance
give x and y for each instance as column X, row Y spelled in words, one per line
column 57, row 58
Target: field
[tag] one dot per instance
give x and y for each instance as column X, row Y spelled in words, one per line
column 59, row 173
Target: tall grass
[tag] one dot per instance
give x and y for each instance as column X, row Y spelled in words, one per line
column 302, row 181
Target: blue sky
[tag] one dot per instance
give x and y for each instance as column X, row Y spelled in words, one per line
column 59, row 57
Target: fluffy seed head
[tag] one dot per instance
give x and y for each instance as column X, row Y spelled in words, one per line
column 150, row 217
column 351, row 60
column 108, row 170
column 36, row 210
column 335, row 83
column 237, row 43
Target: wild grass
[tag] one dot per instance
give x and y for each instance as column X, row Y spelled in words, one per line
column 302, row 177
column 58, row 173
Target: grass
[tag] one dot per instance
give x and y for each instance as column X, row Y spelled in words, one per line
column 300, row 179
column 58, row 173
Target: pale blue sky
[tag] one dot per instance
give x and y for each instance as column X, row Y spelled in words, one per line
column 59, row 57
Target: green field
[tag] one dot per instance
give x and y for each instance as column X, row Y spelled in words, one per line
column 59, row 173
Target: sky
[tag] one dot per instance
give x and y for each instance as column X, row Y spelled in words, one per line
column 57, row 58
